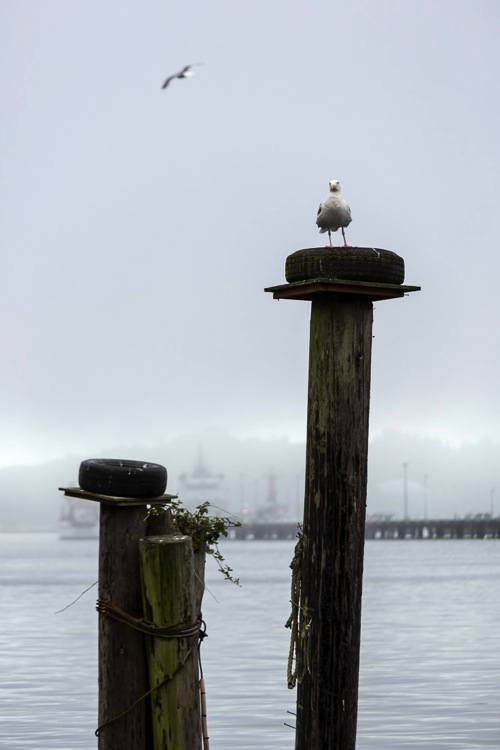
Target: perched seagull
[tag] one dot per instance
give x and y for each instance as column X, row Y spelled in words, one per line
column 185, row 72
column 333, row 212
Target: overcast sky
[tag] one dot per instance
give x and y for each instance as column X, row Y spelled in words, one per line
column 139, row 226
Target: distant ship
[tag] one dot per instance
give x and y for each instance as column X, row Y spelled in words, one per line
column 272, row 511
column 201, row 484
column 79, row 519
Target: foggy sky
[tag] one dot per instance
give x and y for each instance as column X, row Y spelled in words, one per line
column 139, row 226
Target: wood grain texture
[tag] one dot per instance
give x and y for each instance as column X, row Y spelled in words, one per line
column 122, row 668
column 122, row 659
column 334, row 518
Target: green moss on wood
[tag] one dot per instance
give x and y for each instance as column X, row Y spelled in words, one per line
column 168, row 576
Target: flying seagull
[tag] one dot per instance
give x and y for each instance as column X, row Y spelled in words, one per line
column 333, row 212
column 185, row 72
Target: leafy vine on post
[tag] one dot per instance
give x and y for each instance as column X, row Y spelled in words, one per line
column 205, row 530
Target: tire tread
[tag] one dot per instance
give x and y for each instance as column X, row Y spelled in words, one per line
column 350, row 264
column 122, row 477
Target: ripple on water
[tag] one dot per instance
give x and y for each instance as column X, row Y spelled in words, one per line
column 430, row 673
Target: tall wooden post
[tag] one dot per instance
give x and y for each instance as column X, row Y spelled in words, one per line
column 334, row 505
column 334, row 520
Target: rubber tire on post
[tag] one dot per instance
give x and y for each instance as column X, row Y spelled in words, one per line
column 347, row 263
column 122, row 478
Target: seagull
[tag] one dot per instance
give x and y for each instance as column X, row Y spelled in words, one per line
column 185, row 72
column 333, row 212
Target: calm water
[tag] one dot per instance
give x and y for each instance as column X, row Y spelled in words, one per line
column 430, row 672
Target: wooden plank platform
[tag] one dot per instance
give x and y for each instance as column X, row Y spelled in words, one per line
column 312, row 288
column 129, row 502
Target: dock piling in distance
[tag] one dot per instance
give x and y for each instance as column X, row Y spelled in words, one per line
column 335, row 498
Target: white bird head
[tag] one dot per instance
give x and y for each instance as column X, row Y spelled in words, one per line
column 334, row 186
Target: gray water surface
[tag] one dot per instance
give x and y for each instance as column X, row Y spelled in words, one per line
column 430, row 661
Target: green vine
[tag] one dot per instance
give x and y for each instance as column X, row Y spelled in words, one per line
column 205, row 531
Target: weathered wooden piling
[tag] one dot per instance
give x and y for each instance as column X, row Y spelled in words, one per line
column 123, row 720
column 335, row 495
column 169, row 602
column 122, row 667
column 123, row 676
column 334, row 514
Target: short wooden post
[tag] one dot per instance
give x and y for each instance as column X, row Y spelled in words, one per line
column 334, row 510
column 123, row 674
column 122, row 668
column 123, row 719
column 169, row 603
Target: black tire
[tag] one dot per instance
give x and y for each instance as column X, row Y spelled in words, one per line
column 122, row 478
column 347, row 263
